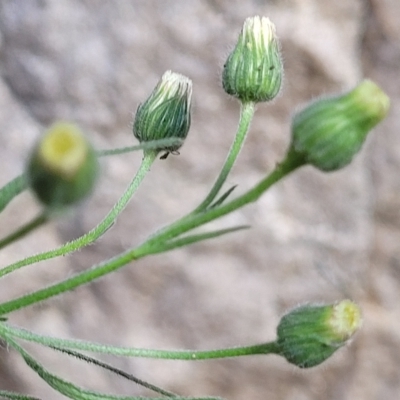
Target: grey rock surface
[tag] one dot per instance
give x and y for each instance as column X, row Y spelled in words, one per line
column 314, row 238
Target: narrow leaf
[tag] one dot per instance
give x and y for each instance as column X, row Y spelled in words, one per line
column 114, row 370
column 223, row 197
column 74, row 392
column 190, row 239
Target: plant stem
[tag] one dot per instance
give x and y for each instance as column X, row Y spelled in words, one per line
column 96, row 232
column 5, row 394
column 189, row 355
column 12, row 189
column 291, row 162
column 24, row 230
column 68, row 284
column 150, row 145
column 67, row 388
column 246, row 116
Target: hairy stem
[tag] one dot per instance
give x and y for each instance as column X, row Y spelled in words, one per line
column 189, row 355
column 151, row 246
column 96, row 232
column 246, row 116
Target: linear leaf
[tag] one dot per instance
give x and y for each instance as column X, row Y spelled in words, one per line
column 75, row 392
column 114, row 370
column 223, row 197
column 190, row 239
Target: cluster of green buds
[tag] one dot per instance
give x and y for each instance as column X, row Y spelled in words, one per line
column 166, row 113
column 310, row 334
column 327, row 133
column 330, row 131
column 253, row 71
column 63, row 167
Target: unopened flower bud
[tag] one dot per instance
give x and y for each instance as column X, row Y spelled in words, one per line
column 310, row 334
column 63, row 167
column 166, row 113
column 254, row 71
column 330, row 131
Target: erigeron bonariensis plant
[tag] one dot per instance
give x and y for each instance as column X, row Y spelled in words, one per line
column 63, row 167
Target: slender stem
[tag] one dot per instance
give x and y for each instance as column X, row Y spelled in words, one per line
column 24, row 230
column 68, row 284
column 96, row 232
column 189, row 355
column 67, row 388
column 150, row 246
column 246, row 115
column 12, row 189
column 150, row 145
column 291, row 162
column 5, row 394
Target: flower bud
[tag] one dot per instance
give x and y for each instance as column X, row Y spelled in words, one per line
column 166, row 113
column 310, row 334
column 330, row 131
column 254, row 71
column 63, row 167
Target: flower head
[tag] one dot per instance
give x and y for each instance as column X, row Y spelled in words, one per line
column 63, row 167
column 254, row 71
column 166, row 113
column 330, row 131
column 310, row 334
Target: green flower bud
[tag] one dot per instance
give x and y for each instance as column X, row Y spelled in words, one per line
column 166, row 113
column 330, row 131
column 254, row 71
column 310, row 334
column 63, row 167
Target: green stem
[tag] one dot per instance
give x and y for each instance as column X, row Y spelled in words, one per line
column 150, row 145
column 246, row 115
column 291, row 162
column 12, row 189
column 189, row 355
column 67, row 388
column 24, row 230
column 5, row 394
column 96, row 232
column 68, row 284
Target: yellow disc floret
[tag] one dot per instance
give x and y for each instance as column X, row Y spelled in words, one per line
column 63, row 166
column 346, row 319
column 63, row 149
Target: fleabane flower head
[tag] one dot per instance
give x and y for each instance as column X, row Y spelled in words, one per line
column 310, row 334
column 63, row 150
column 166, row 112
column 63, row 166
column 254, row 71
column 330, row 131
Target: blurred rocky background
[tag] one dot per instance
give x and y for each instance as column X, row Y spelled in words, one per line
column 314, row 238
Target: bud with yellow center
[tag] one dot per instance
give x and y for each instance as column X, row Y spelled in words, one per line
column 63, row 167
column 254, row 71
column 330, row 131
column 310, row 334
